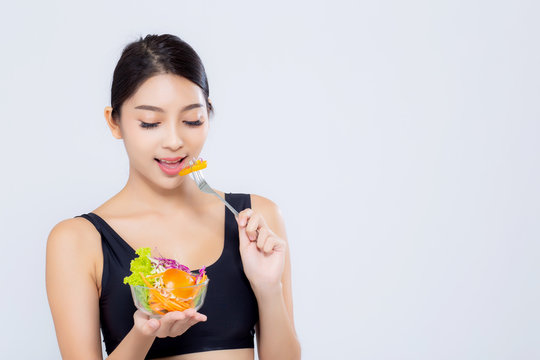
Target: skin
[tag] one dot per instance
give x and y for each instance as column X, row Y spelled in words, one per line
column 168, row 212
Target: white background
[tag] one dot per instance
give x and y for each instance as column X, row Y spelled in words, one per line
column 399, row 138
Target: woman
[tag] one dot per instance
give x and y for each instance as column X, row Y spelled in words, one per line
column 160, row 108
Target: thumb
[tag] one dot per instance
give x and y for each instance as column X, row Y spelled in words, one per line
column 151, row 326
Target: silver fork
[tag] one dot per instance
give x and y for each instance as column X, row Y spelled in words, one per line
column 204, row 187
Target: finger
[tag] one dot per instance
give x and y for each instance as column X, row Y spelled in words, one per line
column 279, row 244
column 243, row 238
column 169, row 319
column 244, row 216
column 255, row 223
column 169, row 323
column 198, row 317
column 201, row 317
column 189, row 313
column 174, row 316
column 194, row 319
column 190, row 319
column 180, row 326
column 261, row 238
column 269, row 245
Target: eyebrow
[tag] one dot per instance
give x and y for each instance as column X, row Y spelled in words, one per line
column 158, row 109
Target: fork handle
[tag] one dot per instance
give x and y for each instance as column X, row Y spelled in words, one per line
column 233, row 210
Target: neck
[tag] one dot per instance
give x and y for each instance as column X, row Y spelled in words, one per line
column 146, row 196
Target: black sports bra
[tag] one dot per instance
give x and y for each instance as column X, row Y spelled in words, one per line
column 230, row 305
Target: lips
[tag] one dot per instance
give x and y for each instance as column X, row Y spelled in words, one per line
column 171, row 166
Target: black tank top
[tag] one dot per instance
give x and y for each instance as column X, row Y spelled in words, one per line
column 230, row 305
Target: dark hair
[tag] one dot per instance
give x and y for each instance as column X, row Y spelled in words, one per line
column 153, row 55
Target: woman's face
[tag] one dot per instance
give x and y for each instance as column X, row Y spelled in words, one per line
column 166, row 118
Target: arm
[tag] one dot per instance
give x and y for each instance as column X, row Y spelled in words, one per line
column 276, row 335
column 72, row 249
column 72, row 290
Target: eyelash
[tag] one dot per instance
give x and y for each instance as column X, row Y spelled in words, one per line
column 153, row 125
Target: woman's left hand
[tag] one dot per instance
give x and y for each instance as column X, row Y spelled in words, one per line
column 262, row 251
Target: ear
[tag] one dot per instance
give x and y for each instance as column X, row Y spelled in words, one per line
column 113, row 125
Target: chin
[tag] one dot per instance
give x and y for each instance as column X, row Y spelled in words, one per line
column 172, row 183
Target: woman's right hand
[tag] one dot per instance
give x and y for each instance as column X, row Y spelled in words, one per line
column 172, row 324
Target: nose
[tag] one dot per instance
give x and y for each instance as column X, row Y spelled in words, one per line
column 173, row 139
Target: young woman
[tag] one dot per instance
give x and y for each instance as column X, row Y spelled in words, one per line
column 160, row 108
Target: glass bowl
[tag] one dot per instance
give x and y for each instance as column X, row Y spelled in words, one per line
column 157, row 302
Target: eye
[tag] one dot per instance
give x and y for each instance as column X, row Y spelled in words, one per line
column 148, row 125
column 194, row 123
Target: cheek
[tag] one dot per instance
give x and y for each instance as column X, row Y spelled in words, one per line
column 203, row 134
column 138, row 142
column 195, row 137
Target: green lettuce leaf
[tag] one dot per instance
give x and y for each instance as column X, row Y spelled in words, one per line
column 140, row 264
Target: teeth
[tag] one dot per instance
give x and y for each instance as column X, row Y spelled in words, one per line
column 170, row 162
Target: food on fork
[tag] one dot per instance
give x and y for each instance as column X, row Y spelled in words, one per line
column 198, row 165
column 160, row 285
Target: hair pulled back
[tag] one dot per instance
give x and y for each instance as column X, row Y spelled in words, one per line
column 154, row 55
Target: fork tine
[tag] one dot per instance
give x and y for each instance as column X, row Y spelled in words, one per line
column 194, row 176
column 198, row 178
column 197, row 175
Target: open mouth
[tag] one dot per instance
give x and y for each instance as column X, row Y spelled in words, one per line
column 171, row 166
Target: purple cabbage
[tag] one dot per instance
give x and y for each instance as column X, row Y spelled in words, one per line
column 160, row 262
column 201, row 273
column 170, row 264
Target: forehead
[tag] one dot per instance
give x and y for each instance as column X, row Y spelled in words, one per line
column 167, row 90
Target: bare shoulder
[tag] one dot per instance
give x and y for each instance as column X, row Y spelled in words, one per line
column 271, row 212
column 74, row 238
column 72, row 232
column 265, row 205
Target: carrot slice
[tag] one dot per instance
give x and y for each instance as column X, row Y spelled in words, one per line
column 155, row 293
column 168, row 304
column 145, row 281
column 156, row 307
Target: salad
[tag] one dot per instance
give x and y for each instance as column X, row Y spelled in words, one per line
column 160, row 285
